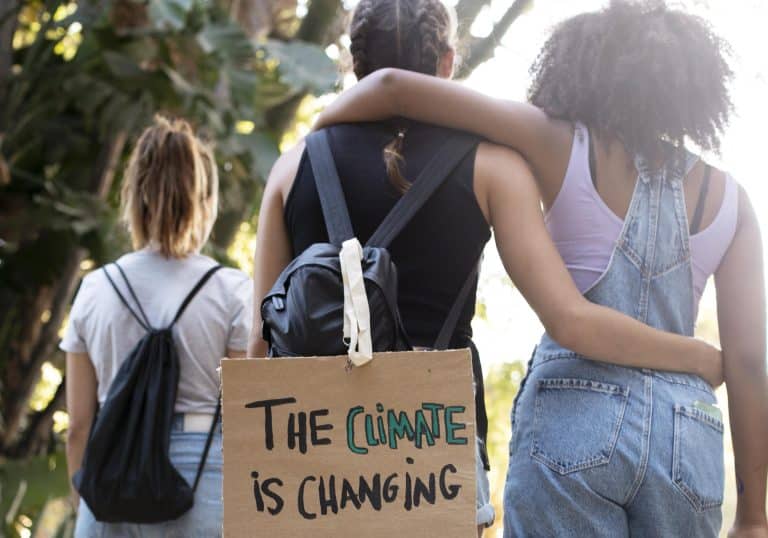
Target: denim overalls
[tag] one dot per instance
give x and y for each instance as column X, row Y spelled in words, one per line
column 603, row 450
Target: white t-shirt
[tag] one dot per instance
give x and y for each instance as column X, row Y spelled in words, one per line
column 217, row 319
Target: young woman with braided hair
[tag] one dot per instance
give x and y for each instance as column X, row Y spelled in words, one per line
column 641, row 224
column 491, row 188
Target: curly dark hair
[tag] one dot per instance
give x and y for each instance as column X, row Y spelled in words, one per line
column 639, row 72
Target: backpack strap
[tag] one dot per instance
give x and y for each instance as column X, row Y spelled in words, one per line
column 449, row 325
column 434, row 174
column 191, row 295
column 208, row 441
column 143, row 322
column 328, row 184
column 133, row 293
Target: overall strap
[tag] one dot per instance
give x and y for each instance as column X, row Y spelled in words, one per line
column 208, row 441
column 143, row 322
column 191, row 295
column 328, row 184
column 699, row 211
column 428, row 181
column 449, row 325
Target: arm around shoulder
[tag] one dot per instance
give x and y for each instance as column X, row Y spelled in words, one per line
column 535, row 266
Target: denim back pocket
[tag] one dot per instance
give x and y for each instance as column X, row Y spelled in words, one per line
column 697, row 461
column 576, row 423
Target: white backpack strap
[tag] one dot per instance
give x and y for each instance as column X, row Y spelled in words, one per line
column 357, row 315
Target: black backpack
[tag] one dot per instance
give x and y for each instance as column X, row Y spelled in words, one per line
column 127, row 475
column 303, row 314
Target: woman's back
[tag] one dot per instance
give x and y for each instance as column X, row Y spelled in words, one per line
column 217, row 319
column 437, row 249
column 589, row 212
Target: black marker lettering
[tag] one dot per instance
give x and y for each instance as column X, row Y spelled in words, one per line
column 314, row 427
column 268, row 405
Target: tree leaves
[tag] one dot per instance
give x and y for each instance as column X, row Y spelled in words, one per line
column 60, row 116
column 228, row 40
column 303, row 67
column 169, row 14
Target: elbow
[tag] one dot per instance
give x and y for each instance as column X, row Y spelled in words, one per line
column 78, row 430
column 565, row 327
column 744, row 365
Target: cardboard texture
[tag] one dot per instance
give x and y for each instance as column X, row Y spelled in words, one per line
column 384, row 450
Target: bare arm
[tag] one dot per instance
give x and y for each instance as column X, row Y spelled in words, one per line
column 81, row 407
column 543, row 142
column 742, row 320
column 535, row 266
column 273, row 246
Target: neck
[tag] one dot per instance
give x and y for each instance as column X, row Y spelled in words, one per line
column 612, row 157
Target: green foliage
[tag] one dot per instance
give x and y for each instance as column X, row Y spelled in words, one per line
column 87, row 77
column 502, row 383
column 187, row 59
column 28, row 485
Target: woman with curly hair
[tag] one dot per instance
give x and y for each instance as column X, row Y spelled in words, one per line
column 641, row 223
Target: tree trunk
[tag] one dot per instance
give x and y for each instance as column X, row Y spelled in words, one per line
column 8, row 20
column 321, row 23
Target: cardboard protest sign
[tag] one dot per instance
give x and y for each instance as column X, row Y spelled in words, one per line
column 313, row 450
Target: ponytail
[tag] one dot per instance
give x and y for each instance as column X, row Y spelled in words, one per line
column 170, row 189
column 393, row 160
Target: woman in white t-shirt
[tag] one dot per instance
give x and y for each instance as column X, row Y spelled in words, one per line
column 169, row 201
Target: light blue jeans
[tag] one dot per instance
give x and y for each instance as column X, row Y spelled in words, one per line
column 485, row 513
column 202, row 521
column 603, row 451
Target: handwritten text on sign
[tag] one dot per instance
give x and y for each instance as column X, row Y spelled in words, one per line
column 387, row 447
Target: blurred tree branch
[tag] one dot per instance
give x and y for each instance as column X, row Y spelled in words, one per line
column 482, row 49
column 466, row 13
column 37, row 434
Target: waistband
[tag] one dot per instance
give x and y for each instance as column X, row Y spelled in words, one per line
column 192, row 422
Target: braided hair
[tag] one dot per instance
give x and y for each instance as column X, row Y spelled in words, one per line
column 407, row 34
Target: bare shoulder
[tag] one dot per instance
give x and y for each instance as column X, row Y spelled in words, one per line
column 284, row 172
column 747, row 214
column 501, row 167
column 501, row 174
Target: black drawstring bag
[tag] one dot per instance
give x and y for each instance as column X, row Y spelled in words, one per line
column 127, row 475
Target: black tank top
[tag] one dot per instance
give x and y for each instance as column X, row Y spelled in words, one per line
column 435, row 251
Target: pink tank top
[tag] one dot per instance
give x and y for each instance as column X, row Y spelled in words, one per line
column 584, row 229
